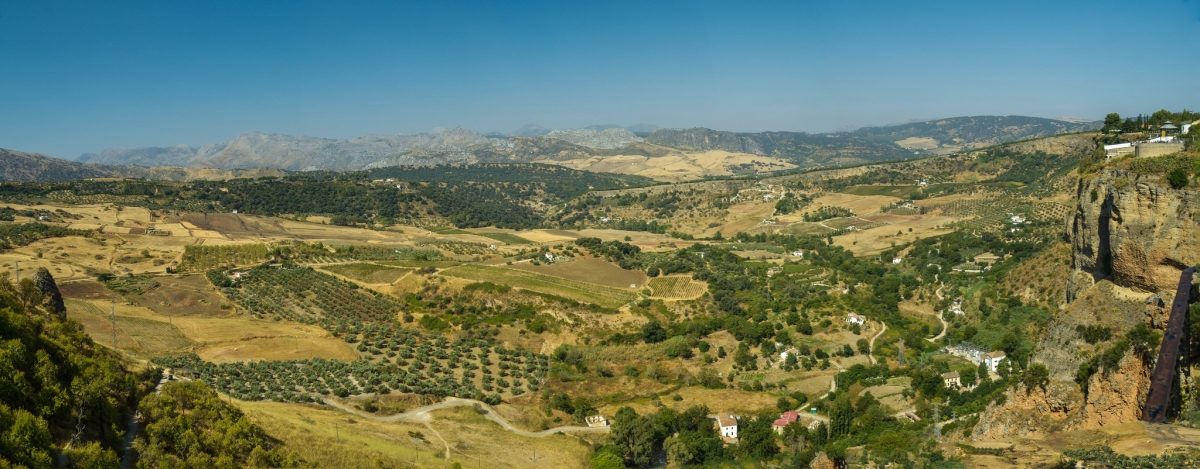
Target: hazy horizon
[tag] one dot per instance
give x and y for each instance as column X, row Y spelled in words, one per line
column 83, row 78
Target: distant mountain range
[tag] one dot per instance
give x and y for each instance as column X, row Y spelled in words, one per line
column 258, row 151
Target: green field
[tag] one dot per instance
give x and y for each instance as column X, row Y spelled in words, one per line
column 584, row 292
column 368, row 273
column 506, row 238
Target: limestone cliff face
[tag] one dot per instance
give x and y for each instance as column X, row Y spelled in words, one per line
column 1026, row 412
column 1134, row 230
column 1116, row 397
column 1112, row 398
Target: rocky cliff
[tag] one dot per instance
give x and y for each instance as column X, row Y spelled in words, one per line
column 1133, row 229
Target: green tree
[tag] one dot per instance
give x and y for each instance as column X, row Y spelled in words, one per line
column 1112, row 121
column 1037, row 376
column 653, row 332
column 840, row 417
column 756, row 439
column 1178, row 178
column 632, row 435
column 864, row 346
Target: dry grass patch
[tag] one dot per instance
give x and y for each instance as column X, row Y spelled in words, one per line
column 368, row 273
column 579, row 291
column 595, row 271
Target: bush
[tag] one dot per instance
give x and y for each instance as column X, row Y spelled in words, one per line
column 1177, row 178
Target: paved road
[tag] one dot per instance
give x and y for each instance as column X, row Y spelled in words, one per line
column 421, row 415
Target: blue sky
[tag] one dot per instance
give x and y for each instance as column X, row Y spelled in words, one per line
column 81, row 77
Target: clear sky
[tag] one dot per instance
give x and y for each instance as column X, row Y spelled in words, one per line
column 82, row 77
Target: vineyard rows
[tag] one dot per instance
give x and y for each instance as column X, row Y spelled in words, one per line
column 584, row 292
column 676, row 287
column 199, row 258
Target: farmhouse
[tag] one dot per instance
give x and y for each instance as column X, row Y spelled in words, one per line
column 797, row 253
column 727, row 424
column 897, row 260
column 785, row 419
column 951, row 379
column 854, row 318
column 993, row 359
column 595, row 421
column 784, row 354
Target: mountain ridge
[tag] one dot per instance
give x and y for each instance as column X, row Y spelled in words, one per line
column 460, row 145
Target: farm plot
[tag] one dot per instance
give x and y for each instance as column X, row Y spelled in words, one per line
column 596, row 271
column 304, row 295
column 416, row 363
column 199, row 258
column 579, row 291
column 506, row 238
column 133, row 333
column 368, row 273
column 186, row 296
column 676, row 287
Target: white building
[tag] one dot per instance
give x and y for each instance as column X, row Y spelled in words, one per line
column 951, row 379
column 797, row 253
column 993, row 359
column 854, row 318
column 897, row 260
column 727, row 424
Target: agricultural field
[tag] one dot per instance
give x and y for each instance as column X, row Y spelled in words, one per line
column 676, row 287
column 304, row 295
column 583, row 292
column 368, row 273
column 407, row 362
column 201, row 258
column 506, row 238
column 139, row 335
column 582, row 269
column 190, row 295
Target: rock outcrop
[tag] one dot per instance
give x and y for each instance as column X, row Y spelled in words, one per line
column 52, row 299
column 604, row 139
column 1026, row 412
column 1134, row 230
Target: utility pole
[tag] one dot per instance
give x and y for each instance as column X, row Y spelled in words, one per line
column 937, row 429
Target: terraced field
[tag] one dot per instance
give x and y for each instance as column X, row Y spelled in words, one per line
column 583, row 292
column 676, row 287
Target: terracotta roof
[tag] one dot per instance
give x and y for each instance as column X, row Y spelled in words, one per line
column 726, row 419
column 950, row 375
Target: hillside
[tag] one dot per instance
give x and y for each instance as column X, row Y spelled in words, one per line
column 953, row 134
column 532, row 143
column 258, row 150
column 28, row 167
column 871, row 144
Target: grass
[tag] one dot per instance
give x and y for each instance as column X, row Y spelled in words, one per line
column 579, row 291
column 506, row 238
column 368, row 273
column 133, row 333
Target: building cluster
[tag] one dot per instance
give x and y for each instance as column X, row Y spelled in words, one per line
column 1166, row 143
column 977, row 355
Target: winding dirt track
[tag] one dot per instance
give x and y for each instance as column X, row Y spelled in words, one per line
column 872, row 345
column 421, row 415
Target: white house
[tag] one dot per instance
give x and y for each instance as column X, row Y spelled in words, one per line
column 951, row 379
column 993, row 359
column 854, row 318
column 727, row 424
column 1017, row 219
column 783, row 355
column 897, row 260
column 797, row 253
